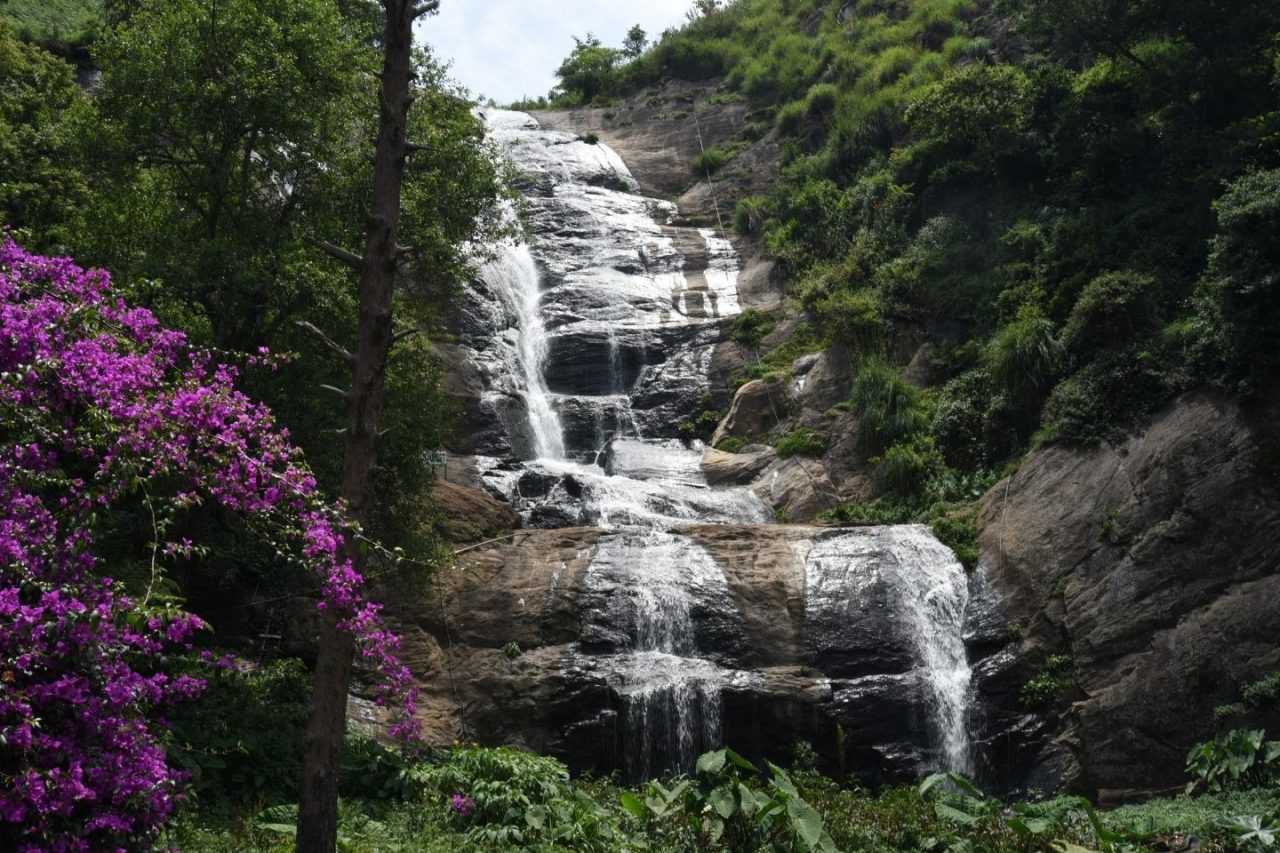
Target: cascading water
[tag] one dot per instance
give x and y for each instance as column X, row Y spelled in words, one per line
column 515, row 275
column 930, row 590
column 610, row 353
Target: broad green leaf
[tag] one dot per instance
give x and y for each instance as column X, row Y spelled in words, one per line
column 740, row 762
column 711, row 762
column 933, row 780
column 723, row 802
column 947, row 812
column 807, row 824
column 633, row 805
column 782, row 780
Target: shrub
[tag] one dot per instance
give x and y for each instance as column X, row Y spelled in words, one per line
column 1240, row 291
column 1114, row 310
column 1262, row 693
column 855, row 318
column 971, row 423
column 1238, row 760
column 750, row 214
column 733, row 444
column 728, row 804
column 958, row 530
column 242, row 742
column 905, row 468
column 505, row 798
column 750, row 328
column 1054, row 678
column 888, row 406
column 800, row 442
column 712, row 159
column 1022, row 360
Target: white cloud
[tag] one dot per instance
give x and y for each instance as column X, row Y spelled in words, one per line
column 505, row 49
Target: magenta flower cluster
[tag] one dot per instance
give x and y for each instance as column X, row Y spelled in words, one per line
column 462, row 804
column 100, row 404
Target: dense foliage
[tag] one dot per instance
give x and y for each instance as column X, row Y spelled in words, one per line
column 473, row 798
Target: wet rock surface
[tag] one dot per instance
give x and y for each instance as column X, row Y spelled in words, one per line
column 679, row 619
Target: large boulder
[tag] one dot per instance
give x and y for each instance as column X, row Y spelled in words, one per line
column 797, row 488
column 757, row 407
column 735, row 469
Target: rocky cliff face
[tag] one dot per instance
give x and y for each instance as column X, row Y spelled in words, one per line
column 1153, row 565
column 806, row 634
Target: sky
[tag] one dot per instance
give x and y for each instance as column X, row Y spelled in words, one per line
column 506, row 49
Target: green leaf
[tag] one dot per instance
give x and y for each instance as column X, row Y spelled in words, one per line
column 964, row 784
column 947, row 812
column 782, row 781
column 932, row 781
column 807, row 824
column 740, row 762
column 712, row 762
column 723, row 802
column 633, row 805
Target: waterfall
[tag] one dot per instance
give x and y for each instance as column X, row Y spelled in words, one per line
column 515, row 275
column 849, row 573
column 636, row 315
column 647, row 583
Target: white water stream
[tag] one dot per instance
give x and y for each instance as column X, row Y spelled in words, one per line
column 613, row 339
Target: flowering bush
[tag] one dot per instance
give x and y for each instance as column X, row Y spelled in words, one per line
column 102, row 409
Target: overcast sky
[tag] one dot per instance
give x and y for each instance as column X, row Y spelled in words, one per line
column 506, row 49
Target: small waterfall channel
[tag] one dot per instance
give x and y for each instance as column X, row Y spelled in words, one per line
column 608, row 340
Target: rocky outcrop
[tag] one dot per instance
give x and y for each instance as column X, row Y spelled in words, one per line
column 736, row 469
column 465, row 515
column 757, row 407
column 1152, row 564
column 806, row 623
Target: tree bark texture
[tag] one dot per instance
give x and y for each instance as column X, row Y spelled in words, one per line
column 326, row 723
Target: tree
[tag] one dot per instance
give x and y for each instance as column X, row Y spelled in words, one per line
column 227, row 135
column 107, row 416
column 465, row 210
column 635, row 42
column 588, row 71
column 222, row 138
column 41, row 186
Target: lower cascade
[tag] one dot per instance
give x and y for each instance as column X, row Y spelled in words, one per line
column 696, row 620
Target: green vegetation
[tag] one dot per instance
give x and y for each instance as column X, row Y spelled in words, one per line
column 711, row 160
column 800, row 442
column 486, row 799
column 1056, row 676
column 1239, row 760
column 60, row 25
column 1077, row 205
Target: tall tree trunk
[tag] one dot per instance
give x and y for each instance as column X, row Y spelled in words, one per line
column 326, row 723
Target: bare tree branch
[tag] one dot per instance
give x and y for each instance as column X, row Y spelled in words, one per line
column 332, row 390
column 407, row 333
column 329, row 342
column 338, row 253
